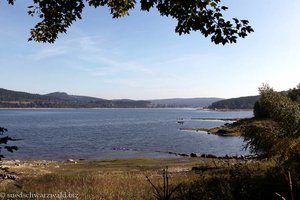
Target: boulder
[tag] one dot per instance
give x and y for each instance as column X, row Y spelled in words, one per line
column 211, row 156
column 193, row 155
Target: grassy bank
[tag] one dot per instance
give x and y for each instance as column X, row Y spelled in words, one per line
column 121, row 178
column 228, row 129
column 110, row 179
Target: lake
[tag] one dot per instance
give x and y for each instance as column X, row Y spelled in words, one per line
column 58, row 134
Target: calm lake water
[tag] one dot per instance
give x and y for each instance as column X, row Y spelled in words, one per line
column 115, row 133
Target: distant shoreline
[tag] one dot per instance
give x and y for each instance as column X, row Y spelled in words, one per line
column 91, row 108
column 225, row 110
column 190, row 108
column 216, row 119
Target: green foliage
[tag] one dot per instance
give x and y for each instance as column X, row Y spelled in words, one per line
column 279, row 135
column 217, row 188
column 205, row 16
column 294, row 94
column 3, row 143
column 259, row 111
column 282, row 110
column 239, row 182
column 261, row 137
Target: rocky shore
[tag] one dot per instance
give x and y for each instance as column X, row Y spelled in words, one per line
column 195, row 155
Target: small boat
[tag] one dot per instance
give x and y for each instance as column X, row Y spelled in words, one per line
column 180, row 121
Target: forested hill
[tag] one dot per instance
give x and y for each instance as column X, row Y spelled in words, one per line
column 184, row 102
column 236, row 103
column 13, row 99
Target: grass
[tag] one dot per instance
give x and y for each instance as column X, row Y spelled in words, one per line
column 105, row 185
column 108, row 179
column 126, row 178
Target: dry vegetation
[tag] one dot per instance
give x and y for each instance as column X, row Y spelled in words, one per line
column 112, row 179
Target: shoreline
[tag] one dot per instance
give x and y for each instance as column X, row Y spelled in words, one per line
column 216, row 119
column 192, row 108
column 125, row 162
column 234, row 129
column 173, row 156
column 225, row 110
column 219, row 131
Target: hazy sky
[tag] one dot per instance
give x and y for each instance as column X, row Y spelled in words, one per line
column 141, row 57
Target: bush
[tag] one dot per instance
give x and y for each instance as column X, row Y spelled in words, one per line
column 259, row 111
column 241, row 182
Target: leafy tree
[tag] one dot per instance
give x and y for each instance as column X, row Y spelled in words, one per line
column 260, row 111
column 205, row 16
column 279, row 135
column 294, row 94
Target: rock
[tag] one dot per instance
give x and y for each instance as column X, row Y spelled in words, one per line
column 183, row 154
column 172, row 153
column 222, row 131
column 211, row 156
column 193, row 155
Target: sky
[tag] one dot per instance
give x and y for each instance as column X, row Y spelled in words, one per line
column 141, row 56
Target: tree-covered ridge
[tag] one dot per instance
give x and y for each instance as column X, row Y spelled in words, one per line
column 235, row 103
column 8, row 95
column 13, row 99
column 184, row 102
